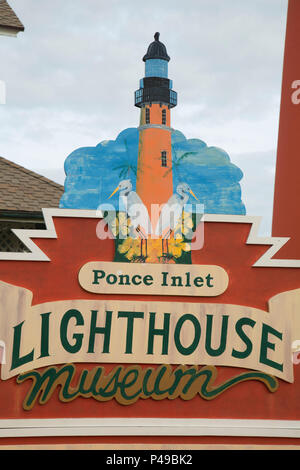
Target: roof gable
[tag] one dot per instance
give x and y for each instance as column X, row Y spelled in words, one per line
column 25, row 190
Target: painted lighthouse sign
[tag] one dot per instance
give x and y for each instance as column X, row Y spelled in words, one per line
column 155, row 223
column 150, row 286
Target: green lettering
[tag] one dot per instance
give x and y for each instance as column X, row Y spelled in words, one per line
column 124, row 384
column 111, row 279
column 114, row 379
column 136, row 279
column 187, row 279
column 148, row 280
column 121, row 280
column 239, row 329
column 208, row 279
column 97, row 275
column 91, row 387
column 198, row 281
column 164, row 332
column 45, row 335
column 223, row 338
column 164, row 280
column 16, row 360
column 176, row 281
column 100, row 330
column 131, row 316
column 186, row 350
column 162, row 371
column 265, row 345
column 44, row 384
column 71, row 314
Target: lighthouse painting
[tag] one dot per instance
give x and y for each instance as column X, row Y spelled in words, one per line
column 157, row 171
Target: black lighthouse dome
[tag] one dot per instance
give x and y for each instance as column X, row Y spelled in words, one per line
column 156, row 50
column 156, row 87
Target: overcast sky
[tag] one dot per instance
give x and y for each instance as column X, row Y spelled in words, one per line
column 70, row 79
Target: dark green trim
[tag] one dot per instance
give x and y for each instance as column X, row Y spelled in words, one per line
column 8, row 214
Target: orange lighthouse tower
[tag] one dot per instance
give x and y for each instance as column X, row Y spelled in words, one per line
column 155, row 98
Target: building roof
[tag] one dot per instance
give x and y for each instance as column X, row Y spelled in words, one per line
column 156, row 50
column 8, row 18
column 23, row 190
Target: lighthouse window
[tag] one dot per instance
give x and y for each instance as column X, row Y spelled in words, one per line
column 164, row 158
column 147, row 115
column 138, row 96
column 164, row 117
column 173, row 97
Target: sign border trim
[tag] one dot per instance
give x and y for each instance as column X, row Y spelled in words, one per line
column 149, row 427
column 36, row 254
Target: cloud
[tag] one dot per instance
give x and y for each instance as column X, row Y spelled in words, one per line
column 94, row 172
column 210, row 173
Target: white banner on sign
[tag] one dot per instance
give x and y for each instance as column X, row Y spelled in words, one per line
column 142, row 332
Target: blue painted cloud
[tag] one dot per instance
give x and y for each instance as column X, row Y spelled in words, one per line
column 92, row 173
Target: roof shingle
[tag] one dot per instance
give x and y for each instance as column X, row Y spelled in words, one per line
column 8, row 18
column 24, row 190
